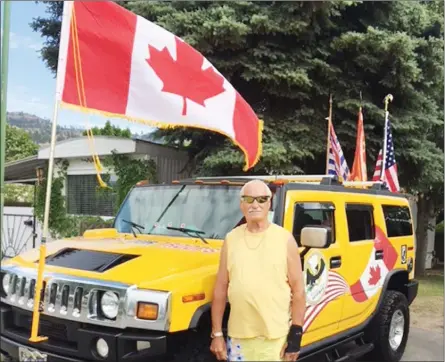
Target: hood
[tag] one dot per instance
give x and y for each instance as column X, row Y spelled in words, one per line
column 131, row 261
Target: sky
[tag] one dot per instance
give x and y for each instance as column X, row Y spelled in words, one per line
column 31, row 86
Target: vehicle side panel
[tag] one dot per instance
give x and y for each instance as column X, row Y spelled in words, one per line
column 364, row 270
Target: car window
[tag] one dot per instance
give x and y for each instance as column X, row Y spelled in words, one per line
column 398, row 220
column 313, row 213
column 360, row 222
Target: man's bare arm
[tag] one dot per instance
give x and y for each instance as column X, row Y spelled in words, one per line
column 220, row 291
column 296, row 282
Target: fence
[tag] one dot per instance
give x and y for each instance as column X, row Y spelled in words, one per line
column 20, row 231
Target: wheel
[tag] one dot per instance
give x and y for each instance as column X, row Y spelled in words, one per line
column 390, row 328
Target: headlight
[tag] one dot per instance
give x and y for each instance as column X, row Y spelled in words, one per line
column 109, row 304
column 5, row 283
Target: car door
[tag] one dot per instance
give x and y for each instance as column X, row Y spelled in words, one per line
column 361, row 259
column 322, row 268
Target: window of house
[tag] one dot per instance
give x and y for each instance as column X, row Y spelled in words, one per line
column 313, row 213
column 84, row 197
column 398, row 220
column 360, row 222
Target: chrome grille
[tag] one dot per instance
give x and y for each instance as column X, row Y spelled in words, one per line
column 78, row 299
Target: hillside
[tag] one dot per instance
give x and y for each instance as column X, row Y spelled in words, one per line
column 40, row 129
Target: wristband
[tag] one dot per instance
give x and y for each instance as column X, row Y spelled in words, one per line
column 294, row 339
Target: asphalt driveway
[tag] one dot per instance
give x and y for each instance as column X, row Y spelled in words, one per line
column 424, row 345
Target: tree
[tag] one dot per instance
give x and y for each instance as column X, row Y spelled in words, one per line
column 285, row 58
column 19, row 144
column 109, row 130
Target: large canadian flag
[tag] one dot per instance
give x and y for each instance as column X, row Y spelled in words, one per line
column 117, row 63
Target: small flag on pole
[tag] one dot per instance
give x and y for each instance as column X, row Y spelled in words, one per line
column 386, row 166
column 359, row 171
column 337, row 164
column 119, row 64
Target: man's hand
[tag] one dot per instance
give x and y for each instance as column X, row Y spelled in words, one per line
column 288, row 356
column 218, row 348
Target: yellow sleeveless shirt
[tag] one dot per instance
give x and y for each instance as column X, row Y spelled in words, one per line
column 258, row 292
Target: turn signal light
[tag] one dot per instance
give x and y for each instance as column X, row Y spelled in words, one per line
column 147, row 311
column 193, row 297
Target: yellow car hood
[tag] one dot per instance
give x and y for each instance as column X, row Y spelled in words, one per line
column 157, row 261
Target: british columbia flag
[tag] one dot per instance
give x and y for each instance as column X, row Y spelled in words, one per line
column 337, row 164
column 389, row 173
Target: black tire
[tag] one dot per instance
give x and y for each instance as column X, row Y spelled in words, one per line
column 379, row 329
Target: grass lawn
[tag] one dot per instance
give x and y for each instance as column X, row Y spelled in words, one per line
column 427, row 308
column 431, row 285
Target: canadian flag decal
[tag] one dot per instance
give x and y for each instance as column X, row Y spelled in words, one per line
column 376, row 270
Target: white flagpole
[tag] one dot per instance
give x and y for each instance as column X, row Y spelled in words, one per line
column 60, row 71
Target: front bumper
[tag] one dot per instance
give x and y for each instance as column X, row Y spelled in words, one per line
column 75, row 342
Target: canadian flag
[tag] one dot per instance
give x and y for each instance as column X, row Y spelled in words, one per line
column 119, row 64
column 376, row 270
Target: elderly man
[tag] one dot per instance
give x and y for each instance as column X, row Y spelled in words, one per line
column 260, row 274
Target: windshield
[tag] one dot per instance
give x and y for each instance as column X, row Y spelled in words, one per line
column 212, row 209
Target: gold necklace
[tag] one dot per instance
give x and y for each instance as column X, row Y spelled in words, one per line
column 261, row 241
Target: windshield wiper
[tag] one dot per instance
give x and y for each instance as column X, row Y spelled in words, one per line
column 134, row 225
column 188, row 231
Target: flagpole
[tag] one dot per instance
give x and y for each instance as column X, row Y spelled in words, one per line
column 387, row 99
column 38, row 304
column 4, row 91
column 49, row 180
column 329, row 133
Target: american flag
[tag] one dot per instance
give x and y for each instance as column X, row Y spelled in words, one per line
column 389, row 174
column 337, row 164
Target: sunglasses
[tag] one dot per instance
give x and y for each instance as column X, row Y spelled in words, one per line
column 251, row 199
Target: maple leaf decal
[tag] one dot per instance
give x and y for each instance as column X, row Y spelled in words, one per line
column 375, row 275
column 184, row 76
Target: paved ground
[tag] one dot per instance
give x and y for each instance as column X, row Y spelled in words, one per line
column 424, row 345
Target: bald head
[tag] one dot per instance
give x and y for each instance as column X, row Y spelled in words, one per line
column 255, row 201
column 256, row 187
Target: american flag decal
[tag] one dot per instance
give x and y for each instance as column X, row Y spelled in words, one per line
column 336, row 287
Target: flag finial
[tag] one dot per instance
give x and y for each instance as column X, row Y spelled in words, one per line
column 388, row 98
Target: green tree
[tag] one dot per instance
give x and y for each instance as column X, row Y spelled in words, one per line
column 19, row 144
column 285, row 58
column 109, row 130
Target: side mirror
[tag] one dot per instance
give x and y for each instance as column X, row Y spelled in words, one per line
column 319, row 237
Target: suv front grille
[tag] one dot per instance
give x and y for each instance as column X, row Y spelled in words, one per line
column 79, row 299
column 64, row 297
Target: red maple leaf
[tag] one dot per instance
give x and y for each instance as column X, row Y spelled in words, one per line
column 184, row 76
column 375, row 275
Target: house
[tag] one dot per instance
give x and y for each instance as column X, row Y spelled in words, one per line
column 81, row 182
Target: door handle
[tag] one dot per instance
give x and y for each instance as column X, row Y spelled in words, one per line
column 335, row 262
column 378, row 254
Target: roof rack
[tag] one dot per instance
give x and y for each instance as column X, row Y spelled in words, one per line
column 327, row 180
column 373, row 185
column 298, row 178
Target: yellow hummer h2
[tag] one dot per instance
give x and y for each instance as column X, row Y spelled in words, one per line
column 143, row 289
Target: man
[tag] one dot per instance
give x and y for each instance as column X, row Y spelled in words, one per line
column 261, row 276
